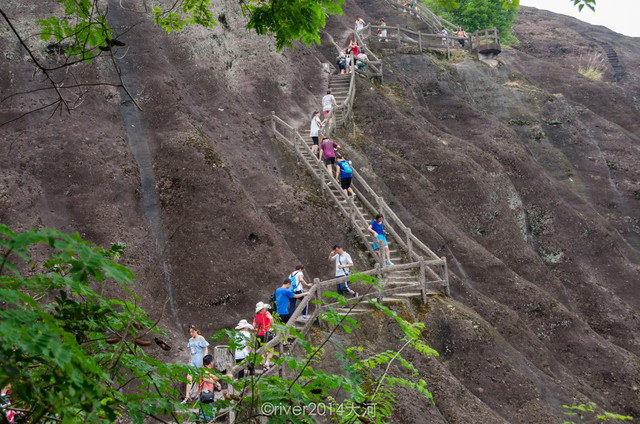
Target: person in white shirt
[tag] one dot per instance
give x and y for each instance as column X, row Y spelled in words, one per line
column 343, row 268
column 316, row 124
column 328, row 101
column 297, row 280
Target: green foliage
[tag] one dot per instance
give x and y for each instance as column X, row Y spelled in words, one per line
column 365, row 387
column 586, row 413
column 81, row 30
column 452, row 4
column 474, row 15
column 591, row 4
column 69, row 353
column 290, row 20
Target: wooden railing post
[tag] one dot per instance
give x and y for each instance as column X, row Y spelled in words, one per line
column 398, row 36
column 447, row 291
column 409, row 244
column 382, row 284
column 273, row 121
column 420, row 41
column 423, row 281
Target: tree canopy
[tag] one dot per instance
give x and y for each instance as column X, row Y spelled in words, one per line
column 69, row 353
column 475, row 15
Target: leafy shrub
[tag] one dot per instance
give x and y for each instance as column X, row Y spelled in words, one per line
column 474, row 15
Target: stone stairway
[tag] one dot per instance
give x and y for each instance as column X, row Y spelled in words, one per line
column 612, row 58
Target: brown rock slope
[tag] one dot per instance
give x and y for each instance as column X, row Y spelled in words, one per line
column 524, row 176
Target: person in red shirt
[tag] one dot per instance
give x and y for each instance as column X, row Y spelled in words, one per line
column 262, row 326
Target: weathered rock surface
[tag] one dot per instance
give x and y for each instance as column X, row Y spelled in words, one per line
column 525, row 176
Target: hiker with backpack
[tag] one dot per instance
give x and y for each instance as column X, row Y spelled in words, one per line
column 297, row 281
column 262, row 326
column 283, row 296
column 377, row 229
column 343, row 269
column 341, row 60
column 243, row 343
column 344, row 170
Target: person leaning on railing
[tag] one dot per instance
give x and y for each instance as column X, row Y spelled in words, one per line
column 461, row 36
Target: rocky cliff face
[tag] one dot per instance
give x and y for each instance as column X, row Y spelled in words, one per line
column 524, row 175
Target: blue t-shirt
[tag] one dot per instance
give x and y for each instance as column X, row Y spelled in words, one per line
column 343, row 174
column 282, row 299
column 378, row 228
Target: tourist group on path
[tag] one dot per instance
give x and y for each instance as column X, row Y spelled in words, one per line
column 286, row 299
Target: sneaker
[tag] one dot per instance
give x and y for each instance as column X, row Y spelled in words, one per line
column 305, row 317
column 355, row 294
column 329, row 182
column 186, row 400
column 354, row 196
column 390, row 263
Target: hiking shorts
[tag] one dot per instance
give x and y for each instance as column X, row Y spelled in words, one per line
column 383, row 239
column 345, row 182
column 315, row 140
column 329, row 161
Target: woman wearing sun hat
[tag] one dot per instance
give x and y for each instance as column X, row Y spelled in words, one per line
column 262, row 326
column 243, row 345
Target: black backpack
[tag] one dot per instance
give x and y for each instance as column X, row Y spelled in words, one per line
column 272, row 302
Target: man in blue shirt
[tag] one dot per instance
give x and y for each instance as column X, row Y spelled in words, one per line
column 377, row 229
column 283, row 296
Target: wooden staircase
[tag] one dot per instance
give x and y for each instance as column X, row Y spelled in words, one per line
column 339, row 86
column 417, row 271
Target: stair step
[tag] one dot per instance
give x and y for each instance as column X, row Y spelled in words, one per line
column 410, row 294
column 354, row 311
column 391, row 299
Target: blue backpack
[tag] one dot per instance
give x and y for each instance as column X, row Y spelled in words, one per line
column 293, row 279
column 346, row 168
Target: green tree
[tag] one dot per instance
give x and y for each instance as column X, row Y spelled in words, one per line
column 69, row 353
column 475, row 15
